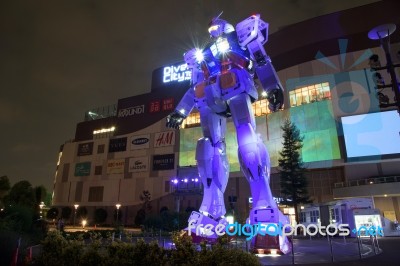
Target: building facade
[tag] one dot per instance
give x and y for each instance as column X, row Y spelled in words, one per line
column 120, row 151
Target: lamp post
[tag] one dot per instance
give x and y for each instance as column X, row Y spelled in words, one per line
column 382, row 33
column 41, row 205
column 118, row 206
column 76, row 208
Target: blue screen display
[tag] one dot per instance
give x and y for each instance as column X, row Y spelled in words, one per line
column 372, row 134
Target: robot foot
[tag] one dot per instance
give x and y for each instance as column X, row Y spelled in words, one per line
column 203, row 228
column 274, row 245
column 269, row 239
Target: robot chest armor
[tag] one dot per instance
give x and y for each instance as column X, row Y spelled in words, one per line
column 216, row 91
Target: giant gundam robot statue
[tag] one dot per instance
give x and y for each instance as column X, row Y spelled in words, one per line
column 223, row 86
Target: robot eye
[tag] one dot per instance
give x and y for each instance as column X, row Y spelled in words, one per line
column 199, row 56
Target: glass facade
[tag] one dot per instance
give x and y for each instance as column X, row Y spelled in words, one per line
column 310, row 94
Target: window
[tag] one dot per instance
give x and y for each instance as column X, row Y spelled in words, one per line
column 303, row 217
column 96, row 194
column 192, row 120
column 314, row 215
column 167, row 186
column 260, row 107
column 98, row 170
column 310, row 94
column 100, row 148
column 334, row 213
column 65, row 173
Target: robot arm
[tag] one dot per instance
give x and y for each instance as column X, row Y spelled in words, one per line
column 185, row 106
column 182, row 110
column 253, row 34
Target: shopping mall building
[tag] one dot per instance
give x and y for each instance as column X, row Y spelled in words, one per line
column 351, row 142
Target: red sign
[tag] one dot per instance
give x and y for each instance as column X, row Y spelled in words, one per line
column 154, row 107
column 168, row 104
column 166, row 138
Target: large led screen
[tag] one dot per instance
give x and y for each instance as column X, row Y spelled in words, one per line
column 372, row 134
column 314, row 120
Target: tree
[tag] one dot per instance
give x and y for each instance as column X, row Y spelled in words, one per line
column 292, row 179
column 40, row 194
column 141, row 213
column 4, row 188
column 22, row 194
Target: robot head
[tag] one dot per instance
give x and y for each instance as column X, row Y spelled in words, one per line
column 218, row 26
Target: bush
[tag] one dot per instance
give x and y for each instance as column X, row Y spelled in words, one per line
column 58, row 250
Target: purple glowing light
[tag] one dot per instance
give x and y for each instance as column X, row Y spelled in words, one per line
column 175, row 181
column 185, row 180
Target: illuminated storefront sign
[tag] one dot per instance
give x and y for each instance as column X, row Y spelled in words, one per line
column 163, row 162
column 162, row 139
column 115, row 166
column 85, row 149
column 130, row 111
column 82, row 169
column 176, row 73
column 139, row 164
column 118, row 144
column 140, row 142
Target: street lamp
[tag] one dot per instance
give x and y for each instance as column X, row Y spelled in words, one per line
column 118, row 206
column 41, row 205
column 382, row 33
column 76, row 208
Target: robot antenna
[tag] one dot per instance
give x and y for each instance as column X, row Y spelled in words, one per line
column 217, row 17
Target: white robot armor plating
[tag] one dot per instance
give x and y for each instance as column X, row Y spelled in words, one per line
column 223, row 86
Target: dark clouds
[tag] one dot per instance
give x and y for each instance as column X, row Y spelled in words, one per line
column 59, row 59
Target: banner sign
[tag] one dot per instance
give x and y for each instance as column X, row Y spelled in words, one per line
column 139, row 164
column 82, row 169
column 162, row 139
column 163, row 162
column 115, row 166
column 140, row 142
column 85, row 149
column 117, row 145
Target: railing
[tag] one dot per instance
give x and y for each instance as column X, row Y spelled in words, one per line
column 368, row 181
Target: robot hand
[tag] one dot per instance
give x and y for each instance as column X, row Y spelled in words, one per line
column 174, row 120
column 275, row 99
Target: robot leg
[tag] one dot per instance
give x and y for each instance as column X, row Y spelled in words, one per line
column 213, row 170
column 254, row 160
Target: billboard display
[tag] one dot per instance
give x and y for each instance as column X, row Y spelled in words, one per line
column 85, row 149
column 118, row 144
column 140, row 142
column 163, row 162
column 373, row 134
column 163, row 139
column 82, row 169
column 115, row 166
column 138, row 164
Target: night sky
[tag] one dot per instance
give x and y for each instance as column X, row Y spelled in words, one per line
column 59, row 59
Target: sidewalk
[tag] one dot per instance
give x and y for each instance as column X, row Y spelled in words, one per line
column 323, row 250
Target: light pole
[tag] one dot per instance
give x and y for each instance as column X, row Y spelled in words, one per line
column 118, row 206
column 41, row 205
column 76, row 208
column 382, row 33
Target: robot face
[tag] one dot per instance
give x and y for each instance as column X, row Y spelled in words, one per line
column 218, row 27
